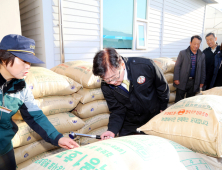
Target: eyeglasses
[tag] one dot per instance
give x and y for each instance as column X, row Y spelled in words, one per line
column 113, row 79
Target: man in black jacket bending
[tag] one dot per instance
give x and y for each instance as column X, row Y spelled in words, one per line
column 134, row 88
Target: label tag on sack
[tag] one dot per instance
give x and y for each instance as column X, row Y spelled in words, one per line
column 4, row 109
column 141, row 79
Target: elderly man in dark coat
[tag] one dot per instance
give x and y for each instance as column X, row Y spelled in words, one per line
column 189, row 71
column 134, row 88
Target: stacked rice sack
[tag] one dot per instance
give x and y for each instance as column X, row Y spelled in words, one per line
column 92, row 108
column 214, row 91
column 136, row 152
column 194, row 122
column 167, row 66
column 39, row 156
column 56, row 95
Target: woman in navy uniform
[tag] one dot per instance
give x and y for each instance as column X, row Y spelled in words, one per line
column 16, row 56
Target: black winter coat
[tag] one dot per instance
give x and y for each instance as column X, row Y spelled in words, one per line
column 144, row 101
column 209, row 61
column 217, row 65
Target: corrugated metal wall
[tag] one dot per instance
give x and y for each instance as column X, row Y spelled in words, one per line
column 10, row 18
column 81, row 23
column 182, row 19
column 213, row 23
column 32, row 24
column 171, row 24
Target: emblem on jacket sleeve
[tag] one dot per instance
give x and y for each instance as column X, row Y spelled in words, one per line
column 141, row 79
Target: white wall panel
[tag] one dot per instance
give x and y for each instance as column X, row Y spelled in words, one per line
column 81, row 29
column 80, row 6
column 171, row 24
column 9, row 18
column 32, row 25
column 213, row 24
column 80, row 25
column 183, row 19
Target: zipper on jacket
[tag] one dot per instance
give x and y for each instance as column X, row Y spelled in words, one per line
column 5, row 84
column 3, row 97
column 220, row 64
column 120, row 93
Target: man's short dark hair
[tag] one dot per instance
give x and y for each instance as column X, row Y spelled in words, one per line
column 211, row 33
column 196, row 36
column 104, row 59
column 6, row 57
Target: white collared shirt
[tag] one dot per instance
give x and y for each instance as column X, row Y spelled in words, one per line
column 213, row 50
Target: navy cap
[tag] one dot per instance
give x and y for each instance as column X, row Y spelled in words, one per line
column 21, row 47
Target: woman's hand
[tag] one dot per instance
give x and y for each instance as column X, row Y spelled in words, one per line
column 67, row 143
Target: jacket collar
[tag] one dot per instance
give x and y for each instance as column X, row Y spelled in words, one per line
column 193, row 53
column 13, row 85
column 199, row 53
column 218, row 48
column 219, row 54
column 2, row 80
column 127, row 64
column 126, row 61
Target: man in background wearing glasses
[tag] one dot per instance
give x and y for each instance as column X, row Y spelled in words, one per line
column 134, row 88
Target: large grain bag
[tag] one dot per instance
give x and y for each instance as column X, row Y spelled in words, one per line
column 82, row 73
column 40, row 156
column 165, row 57
column 54, row 104
column 174, row 59
column 138, row 152
column 94, row 122
column 171, row 87
column 194, row 122
column 63, row 122
column 89, row 95
column 17, row 121
column 29, row 151
column 214, row 91
column 172, row 97
column 165, row 64
column 170, row 104
column 62, row 68
column 216, row 163
column 99, row 131
column 169, row 77
column 91, row 109
column 44, row 82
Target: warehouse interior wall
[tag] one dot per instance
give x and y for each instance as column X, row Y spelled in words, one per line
column 9, row 17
